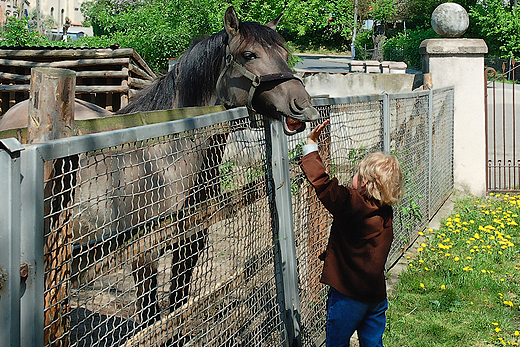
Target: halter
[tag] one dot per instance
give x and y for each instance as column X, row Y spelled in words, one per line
column 256, row 80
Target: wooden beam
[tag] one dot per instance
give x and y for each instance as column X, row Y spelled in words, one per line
column 51, row 116
column 15, row 77
column 87, row 74
column 65, row 63
column 138, row 71
column 100, row 89
column 143, row 64
column 68, row 53
column 138, row 83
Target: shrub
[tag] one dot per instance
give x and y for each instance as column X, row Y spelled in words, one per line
column 405, row 46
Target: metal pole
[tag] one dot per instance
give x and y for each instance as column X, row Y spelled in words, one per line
column 10, row 242
column 32, row 305
column 430, row 151
column 352, row 47
column 39, row 16
column 386, row 122
column 283, row 233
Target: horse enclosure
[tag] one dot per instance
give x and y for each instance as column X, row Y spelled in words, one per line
column 105, row 252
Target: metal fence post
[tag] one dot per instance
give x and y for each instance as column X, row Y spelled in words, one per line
column 386, row 122
column 283, row 233
column 430, row 151
column 10, row 242
column 32, row 305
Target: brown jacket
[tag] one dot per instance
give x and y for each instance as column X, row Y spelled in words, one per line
column 360, row 237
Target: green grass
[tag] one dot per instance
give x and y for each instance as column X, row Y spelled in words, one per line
column 462, row 287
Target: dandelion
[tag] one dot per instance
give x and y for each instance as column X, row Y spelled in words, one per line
column 498, row 330
column 517, row 333
column 443, row 287
column 456, row 258
column 422, row 285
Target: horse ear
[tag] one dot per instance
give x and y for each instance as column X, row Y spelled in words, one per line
column 231, row 21
column 274, row 23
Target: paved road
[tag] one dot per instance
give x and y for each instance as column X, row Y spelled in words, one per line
column 322, row 63
column 329, row 63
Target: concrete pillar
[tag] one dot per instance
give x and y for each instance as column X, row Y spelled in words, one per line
column 459, row 62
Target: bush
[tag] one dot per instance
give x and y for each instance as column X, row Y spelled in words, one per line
column 17, row 34
column 405, row 46
column 364, row 44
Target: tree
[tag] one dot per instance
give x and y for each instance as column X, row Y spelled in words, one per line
column 499, row 26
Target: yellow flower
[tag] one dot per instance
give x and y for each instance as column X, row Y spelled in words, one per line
column 498, row 330
column 456, row 258
column 443, row 287
column 422, row 285
column 517, row 333
column 420, row 249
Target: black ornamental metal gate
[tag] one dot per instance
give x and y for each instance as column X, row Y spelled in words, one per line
column 502, row 140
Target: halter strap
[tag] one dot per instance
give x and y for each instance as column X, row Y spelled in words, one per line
column 256, row 80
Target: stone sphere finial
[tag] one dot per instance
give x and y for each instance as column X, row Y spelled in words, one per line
column 450, row 20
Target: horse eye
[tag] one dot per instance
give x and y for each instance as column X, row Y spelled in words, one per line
column 249, row 55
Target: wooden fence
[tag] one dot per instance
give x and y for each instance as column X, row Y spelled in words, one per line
column 106, row 77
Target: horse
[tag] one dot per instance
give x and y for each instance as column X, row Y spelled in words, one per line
column 245, row 64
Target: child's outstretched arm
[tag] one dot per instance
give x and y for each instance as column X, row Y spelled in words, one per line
column 312, row 138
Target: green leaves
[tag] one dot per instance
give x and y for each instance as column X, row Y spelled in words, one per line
column 499, row 26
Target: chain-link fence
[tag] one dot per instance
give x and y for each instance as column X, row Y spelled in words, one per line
column 199, row 232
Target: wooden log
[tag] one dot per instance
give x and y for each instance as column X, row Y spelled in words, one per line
column 87, row 74
column 138, row 83
column 138, row 71
column 102, row 74
column 101, row 89
column 14, row 87
column 51, row 116
column 79, row 89
column 65, row 63
column 53, row 54
column 14, row 77
column 124, row 96
column 143, row 64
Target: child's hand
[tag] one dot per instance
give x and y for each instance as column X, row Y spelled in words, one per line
column 313, row 136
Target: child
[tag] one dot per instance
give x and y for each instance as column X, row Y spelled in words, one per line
column 359, row 242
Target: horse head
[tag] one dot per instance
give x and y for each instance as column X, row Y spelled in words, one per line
column 256, row 74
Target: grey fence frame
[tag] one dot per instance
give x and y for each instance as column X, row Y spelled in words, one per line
column 22, row 214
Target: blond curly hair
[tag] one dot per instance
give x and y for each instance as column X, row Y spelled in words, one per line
column 381, row 178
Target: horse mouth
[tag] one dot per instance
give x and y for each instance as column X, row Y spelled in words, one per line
column 292, row 126
column 296, row 122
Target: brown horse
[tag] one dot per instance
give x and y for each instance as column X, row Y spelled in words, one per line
column 243, row 65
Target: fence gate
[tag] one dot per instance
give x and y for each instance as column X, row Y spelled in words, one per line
column 502, row 140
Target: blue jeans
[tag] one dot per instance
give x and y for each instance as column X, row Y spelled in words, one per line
column 345, row 315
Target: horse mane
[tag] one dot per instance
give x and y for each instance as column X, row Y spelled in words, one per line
column 192, row 81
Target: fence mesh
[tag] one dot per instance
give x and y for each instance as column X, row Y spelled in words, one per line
column 168, row 241
column 409, row 139
column 162, row 242
column 441, row 177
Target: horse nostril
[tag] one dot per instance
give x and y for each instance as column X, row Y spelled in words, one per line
column 295, row 108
